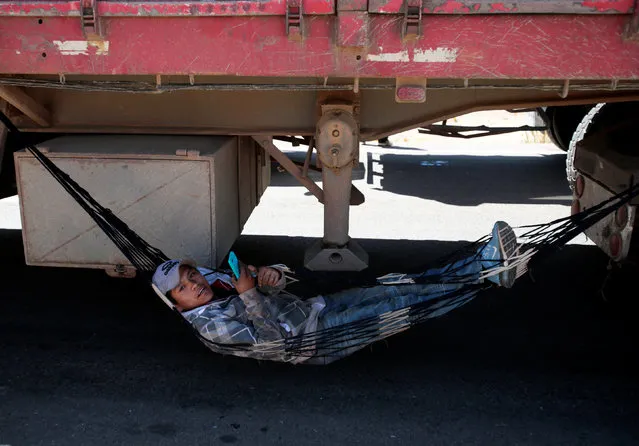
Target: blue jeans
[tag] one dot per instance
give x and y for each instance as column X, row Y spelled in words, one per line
column 357, row 304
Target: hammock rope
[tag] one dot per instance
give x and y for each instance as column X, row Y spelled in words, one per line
column 142, row 256
column 537, row 242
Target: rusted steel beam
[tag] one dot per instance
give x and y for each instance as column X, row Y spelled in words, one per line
column 267, row 143
column 355, row 86
column 26, row 104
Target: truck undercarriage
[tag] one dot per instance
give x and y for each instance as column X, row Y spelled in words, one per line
column 336, row 72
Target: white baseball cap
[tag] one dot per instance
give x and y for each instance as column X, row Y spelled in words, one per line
column 167, row 275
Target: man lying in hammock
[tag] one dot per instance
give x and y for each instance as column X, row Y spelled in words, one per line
column 258, row 320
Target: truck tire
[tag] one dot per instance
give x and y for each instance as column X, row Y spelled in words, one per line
column 580, row 133
column 563, row 121
column 600, row 117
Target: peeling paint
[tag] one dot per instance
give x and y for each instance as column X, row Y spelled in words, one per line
column 609, row 5
column 401, row 56
column 452, row 7
column 81, row 47
column 448, row 55
column 434, row 55
column 500, row 7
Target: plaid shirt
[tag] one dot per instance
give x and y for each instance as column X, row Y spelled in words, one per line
column 256, row 323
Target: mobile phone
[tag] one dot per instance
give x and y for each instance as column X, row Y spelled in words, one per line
column 234, row 264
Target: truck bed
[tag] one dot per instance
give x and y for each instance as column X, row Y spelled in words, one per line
column 240, row 67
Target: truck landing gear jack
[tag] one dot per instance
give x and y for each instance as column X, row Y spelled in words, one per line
column 337, row 146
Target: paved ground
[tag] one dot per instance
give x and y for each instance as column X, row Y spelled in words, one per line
column 91, row 360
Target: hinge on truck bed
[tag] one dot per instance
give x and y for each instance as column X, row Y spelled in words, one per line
column 294, row 20
column 90, row 20
column 412, row 24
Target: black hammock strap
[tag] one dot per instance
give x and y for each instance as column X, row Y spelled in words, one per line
column 142, row 256
column 537, row 242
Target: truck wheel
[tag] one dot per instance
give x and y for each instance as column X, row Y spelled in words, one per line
column 600, row 117
column 563, row 121
column 580, row 133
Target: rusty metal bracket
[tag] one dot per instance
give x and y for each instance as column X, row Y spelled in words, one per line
column 121, row 271
column 300, row 172
column 412, row 23
column 91, row 24
column 294, row 19
column 267, row 143
column 19, row 99
column 457, row 131
column 307, row 158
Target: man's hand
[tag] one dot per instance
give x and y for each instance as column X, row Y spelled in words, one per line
column 267, row 276
column 245, row 282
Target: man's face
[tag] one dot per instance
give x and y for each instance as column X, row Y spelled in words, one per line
column 193, row 290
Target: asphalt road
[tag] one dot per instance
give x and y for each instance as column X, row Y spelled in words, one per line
column 87, row 359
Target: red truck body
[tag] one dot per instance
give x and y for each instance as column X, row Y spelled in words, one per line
column 467, row 40
column 284, row 57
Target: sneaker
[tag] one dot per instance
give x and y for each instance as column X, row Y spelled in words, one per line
column 498, row 253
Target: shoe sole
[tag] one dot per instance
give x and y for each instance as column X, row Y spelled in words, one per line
column 507, row 241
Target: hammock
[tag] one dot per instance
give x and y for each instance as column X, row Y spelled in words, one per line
column 323, row 346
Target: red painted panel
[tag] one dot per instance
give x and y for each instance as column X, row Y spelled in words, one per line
column 610, row 5
column 352, row 29
column 518, row 6
column 489, row 47
column 163, row 9
column 39, row 9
